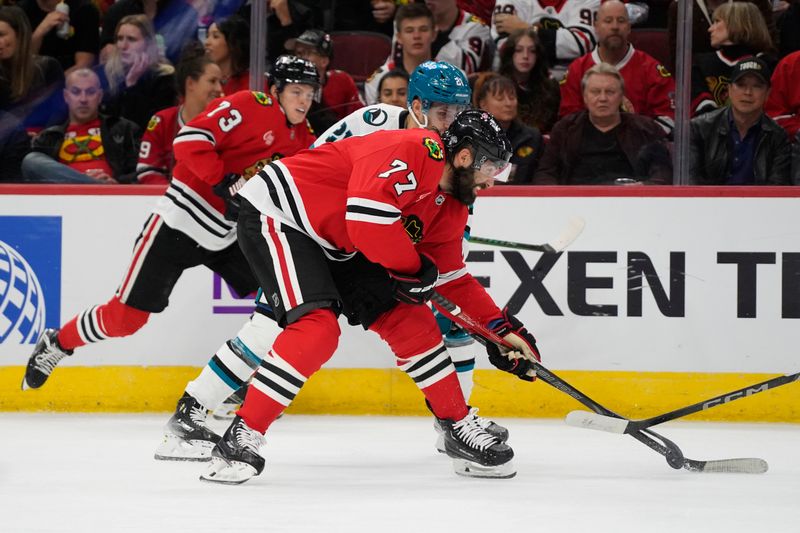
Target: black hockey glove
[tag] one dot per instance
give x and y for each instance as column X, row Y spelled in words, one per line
column 519, row 359
column 415, row 288
column 227, row 189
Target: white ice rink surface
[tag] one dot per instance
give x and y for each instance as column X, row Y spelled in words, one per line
column 87, row 473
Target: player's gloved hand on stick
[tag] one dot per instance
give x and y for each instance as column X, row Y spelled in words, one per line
column 416, row 288
column 227, row 189
column 519, row 359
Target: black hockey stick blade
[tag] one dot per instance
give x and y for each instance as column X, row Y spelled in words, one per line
column 565, row 238
column 601, row 422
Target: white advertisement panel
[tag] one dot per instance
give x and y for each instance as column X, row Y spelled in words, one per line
column 703, row 284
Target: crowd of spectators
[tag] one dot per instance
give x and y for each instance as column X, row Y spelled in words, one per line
column 94, row 91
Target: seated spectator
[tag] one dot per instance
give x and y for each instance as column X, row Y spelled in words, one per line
column 137, row 81
column 497, row 95
column 199, row 81
column 739, row 144
column 175, row 21
column 565, row 34
column 364, row 15
column 228, row 45
column 14, row 145
column 414, row 33
column 796, row 160
column 80, row 46
column 462, row 39
column 28, row 83
column 702, row 20
column 738, row 30
column 783, row 104
column 339, row 92
column 649, row 87
column 522, row 59
column 286, row 19
column 393, row 89
column 600, row 145
column 89, row 147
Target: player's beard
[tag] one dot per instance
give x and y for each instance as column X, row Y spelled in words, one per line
column 464, row 185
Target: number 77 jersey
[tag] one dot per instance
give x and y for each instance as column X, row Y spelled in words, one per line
column 377, row 194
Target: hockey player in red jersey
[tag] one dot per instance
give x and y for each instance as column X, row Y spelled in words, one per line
column 188, row 227
column 369, row 227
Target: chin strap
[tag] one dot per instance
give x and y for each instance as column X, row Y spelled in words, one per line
column 414, row 118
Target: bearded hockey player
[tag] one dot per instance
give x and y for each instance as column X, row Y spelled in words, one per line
column 325, row 232
column 437, row 92
column 188, row 227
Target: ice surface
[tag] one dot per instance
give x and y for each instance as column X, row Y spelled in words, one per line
column 87, row 473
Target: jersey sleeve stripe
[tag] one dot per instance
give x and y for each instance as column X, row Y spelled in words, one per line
column 453, row 275
column 372, row 204
column 188, row 134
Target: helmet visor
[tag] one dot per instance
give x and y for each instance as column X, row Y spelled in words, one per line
column 441, row 115
column 498, row 168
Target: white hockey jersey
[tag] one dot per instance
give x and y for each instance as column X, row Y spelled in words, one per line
column 566, row 27
column 471, row 46
column 363, row 122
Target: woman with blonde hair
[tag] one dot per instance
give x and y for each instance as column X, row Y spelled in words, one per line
column 737, row 30
column 137, row 80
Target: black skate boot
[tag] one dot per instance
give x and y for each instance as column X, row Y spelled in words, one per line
column 43, row 360
column 186, row 437
column 235, row 458
column 491, row 427
column 476, row 452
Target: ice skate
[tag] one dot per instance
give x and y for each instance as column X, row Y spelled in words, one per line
column 235, row 458
column 475, row 451
column 43, row 360
column 493, row 428
column 186, row 437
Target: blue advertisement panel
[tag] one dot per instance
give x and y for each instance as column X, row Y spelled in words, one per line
column 30, row 277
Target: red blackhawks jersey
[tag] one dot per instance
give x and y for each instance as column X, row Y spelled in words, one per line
column 648, row 85
column 155, row 152
column 376, row 194
column 783, row 104
column 237, row 134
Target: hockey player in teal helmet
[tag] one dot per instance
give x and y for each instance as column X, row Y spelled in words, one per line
column 437, row 92
column 440, row 91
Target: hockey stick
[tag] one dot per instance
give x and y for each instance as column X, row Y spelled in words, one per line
column 600, row 422
column 568, row 235
column 668, row 449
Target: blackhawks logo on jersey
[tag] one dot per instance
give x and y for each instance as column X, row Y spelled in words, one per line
column 435, row 151
column 154, row 121
column 413, row 227
column 262, row 98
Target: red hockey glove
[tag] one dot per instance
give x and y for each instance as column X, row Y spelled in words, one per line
column 517, row 361
column 415, row 288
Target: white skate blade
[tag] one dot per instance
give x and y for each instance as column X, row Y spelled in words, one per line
column 440, row 444
column 234, row 473
column 466, row 468
column 174, row 448
column 226, row 411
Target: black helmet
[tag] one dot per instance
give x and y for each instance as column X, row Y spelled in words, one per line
column 480, row 131
column 291, row 69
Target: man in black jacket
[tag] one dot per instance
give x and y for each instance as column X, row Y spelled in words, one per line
column 738, row 144
column 89, row 147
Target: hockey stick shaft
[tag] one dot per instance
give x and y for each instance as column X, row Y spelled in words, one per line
column 668, row 449
column 722, row 399
column 564, row 239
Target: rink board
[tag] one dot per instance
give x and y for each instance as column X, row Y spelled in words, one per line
column 669, row 296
